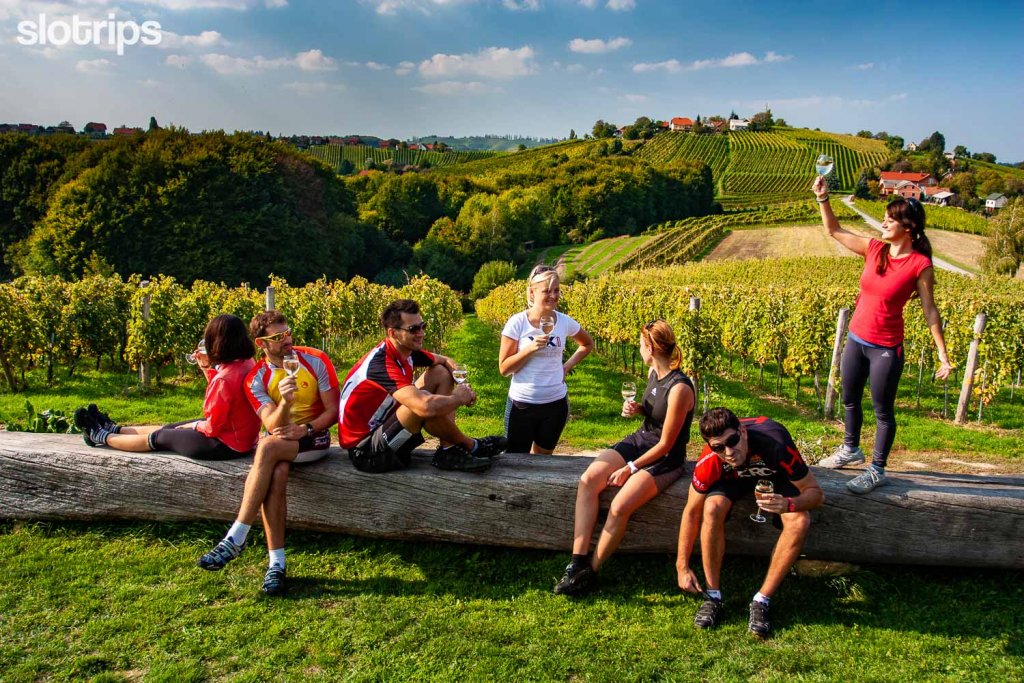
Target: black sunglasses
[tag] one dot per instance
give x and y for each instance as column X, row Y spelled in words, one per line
column 730, row 442
column 413, row 329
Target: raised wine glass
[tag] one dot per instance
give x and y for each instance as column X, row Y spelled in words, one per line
column 547, row 324
column 193, row 358
column 763, row 489
column 291, row 365
column 823, row 164
column 628, row 391
column 459, row 373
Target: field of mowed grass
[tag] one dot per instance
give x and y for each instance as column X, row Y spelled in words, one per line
column 126, row 602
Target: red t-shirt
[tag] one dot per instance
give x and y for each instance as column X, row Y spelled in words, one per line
column 878, row 316
column 229, row 417
column 366, row 395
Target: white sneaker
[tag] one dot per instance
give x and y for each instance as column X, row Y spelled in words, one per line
column 867, row 481
column 842, row 457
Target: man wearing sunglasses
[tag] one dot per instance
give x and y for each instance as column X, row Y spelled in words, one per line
column 737, row 454
column 298, row 413
column 384, row 410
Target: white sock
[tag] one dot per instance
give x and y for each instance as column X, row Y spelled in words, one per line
column 761, row 597
column 713, row 593
column 277, row 557
column 238, row 533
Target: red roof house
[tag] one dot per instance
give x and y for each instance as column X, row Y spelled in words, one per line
column 680, row 123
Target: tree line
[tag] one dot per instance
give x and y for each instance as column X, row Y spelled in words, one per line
column 234, row 208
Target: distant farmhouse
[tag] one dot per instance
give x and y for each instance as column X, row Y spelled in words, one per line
column 994, row 202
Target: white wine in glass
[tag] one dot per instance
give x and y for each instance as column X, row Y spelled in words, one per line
column 547, row 324
column 823, row 164
column 459, row 373
column 193, row 358
column 628, row 391
column 290, row 363
column 763, row 490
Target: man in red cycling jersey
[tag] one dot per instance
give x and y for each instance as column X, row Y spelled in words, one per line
column 737, row 454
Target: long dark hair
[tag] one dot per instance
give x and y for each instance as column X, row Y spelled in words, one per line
column 909, row 213
column 227, row 339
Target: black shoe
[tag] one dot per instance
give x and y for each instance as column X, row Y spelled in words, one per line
column 709, row 613
column 576, row 580
column 760, row 623
column 490, row 446
column 458, row 458
column 101, row 419
column 222, row 553
column 83, row 420
column 274, row 581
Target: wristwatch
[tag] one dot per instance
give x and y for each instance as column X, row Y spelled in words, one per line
column 309, row 429
column 633, row 469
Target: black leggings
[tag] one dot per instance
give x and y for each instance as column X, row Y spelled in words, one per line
column 191, row 444
column 884, row 366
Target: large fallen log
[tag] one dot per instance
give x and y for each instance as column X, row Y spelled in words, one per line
column 523, row 501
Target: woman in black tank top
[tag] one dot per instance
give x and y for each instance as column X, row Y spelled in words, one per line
column 642, row 465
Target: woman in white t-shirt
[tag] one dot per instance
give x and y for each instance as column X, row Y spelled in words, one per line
column 538, row 403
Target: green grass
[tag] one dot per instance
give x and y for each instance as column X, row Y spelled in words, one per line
column 126, row 602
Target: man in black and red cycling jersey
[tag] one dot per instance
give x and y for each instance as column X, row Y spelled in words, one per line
column 737, row 454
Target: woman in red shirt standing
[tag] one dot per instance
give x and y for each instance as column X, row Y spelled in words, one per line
column 230, row 427
column 895, row 270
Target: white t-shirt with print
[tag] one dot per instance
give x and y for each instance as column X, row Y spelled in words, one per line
column 539, row 380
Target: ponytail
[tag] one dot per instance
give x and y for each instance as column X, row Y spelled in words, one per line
column 676, row 358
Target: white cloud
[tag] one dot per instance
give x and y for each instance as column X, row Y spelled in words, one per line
column 671, row 65
column 589, row 4
column 738, row 59
column 276, row 4
column 597, row 46
column 180, row 61
column 456, row 88
column 226, row 65
column 895, row 97
column 170, row 40
column 93, row 66
column 311, row 88
column 636, row 99
column 374, row 66
column 150, row 83
column 520, row 5
column 818, row 102
column 391, row 7
column 314, row 60
column 492, row 62
column 865, row 66
column 621, row 5
column 404, row 68
column 574, row 68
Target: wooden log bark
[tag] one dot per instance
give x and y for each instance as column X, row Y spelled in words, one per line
column 523, row 501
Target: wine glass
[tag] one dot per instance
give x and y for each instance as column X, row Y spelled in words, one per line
column 459, row 373
column 763, row 489
column 291, row 365
column 628, row 391
column 193, row 358
column 547, row 324
column 823, row 164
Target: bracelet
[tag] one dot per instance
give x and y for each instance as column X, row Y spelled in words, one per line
column 633, row 469
column 309, row 429
column 821, row 201
column 792, row 505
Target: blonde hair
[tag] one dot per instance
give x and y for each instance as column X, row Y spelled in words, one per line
column 540, row 274
column 659, row 336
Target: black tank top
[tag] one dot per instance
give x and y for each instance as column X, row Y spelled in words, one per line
column 655, row 404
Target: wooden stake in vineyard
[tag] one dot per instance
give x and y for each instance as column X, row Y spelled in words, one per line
column 837, row 353
column 270, row 297
column 972, row 367
column 144, row 366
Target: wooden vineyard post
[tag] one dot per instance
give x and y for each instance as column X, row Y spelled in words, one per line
column 270, row 297
column 972, row 367
column 695, row 307
column 837, row 354
column 144, row 365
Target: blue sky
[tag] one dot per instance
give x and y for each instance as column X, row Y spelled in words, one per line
column 399, row 68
